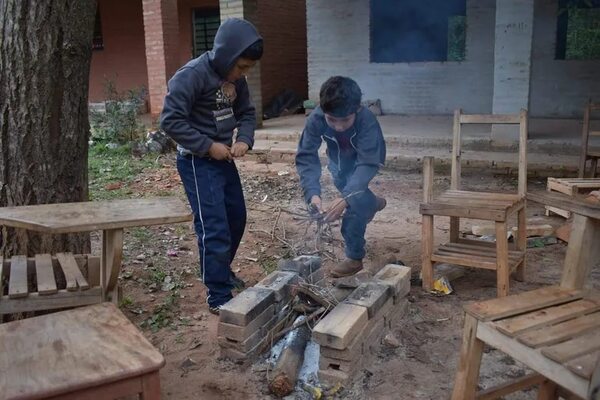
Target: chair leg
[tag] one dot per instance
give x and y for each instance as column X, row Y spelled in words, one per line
column 521, row 244
column 454, row 229
column 594, row 167
column 426, row 252
column 502, row 266
column 151, row 387
column 467, row 374
column 547, row 391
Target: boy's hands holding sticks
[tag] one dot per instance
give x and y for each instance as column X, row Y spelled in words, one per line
column 333, row 213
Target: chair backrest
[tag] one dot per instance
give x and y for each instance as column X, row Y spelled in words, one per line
column 586, row 132
column 496, row 119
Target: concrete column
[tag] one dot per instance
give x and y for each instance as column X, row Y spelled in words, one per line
column 512, row 61
column 161, row 31
column 246, row 9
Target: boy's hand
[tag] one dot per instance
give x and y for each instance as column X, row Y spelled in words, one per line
column 316, row 204
column 220, row 152
column 336, row 210
column 239, row 149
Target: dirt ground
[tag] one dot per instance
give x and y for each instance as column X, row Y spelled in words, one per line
column 163, row 295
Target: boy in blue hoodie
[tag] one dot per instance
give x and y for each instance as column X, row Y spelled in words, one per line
column 207, row 99
column 355, row 151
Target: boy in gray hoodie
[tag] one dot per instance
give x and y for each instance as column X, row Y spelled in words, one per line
column 207, row 99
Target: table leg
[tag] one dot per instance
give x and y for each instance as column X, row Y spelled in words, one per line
column 582, row 253
column 110, row 263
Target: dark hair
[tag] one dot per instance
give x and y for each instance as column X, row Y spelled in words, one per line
column 253, row 52
column 340, row 96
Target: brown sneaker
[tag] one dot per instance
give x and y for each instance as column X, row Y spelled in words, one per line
column 381, row 203
column 346, row 268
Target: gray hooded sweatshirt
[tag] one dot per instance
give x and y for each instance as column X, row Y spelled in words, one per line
column 195, row 112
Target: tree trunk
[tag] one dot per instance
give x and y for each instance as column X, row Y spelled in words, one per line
column 45, row 53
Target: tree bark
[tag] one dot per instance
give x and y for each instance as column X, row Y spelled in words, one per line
column 45, row 53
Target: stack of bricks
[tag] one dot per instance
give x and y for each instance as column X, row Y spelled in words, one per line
column 249, row 320
column 347, row 333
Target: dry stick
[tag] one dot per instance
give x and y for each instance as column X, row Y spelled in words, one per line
column 309, row 318
column 275, row 223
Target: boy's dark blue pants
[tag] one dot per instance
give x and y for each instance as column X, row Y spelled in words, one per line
column 360, row 211
column 215, row 194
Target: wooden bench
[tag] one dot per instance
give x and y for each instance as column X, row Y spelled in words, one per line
column 67, row 280
column 46, row 282
column 572, row 187
column 555, row 330
column 91, row 353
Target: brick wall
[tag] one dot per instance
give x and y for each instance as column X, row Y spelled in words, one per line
column 123, row 59
column 283, row 66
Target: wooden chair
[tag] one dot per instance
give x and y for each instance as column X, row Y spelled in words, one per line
column 457, row 203
column 586, row 153
column 92, row 352
column 555, row 331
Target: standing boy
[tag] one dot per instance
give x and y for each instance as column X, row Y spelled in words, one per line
column 355, row 151
column 208, row 98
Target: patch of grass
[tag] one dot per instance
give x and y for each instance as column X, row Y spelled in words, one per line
column 111, row 166
column 162, row 315
column 126, row 302
column 157, row 275
column 268, row 264
column 141, row 234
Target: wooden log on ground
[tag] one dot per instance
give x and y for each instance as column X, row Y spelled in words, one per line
column 285, row 373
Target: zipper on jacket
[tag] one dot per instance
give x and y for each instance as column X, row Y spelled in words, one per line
column 338, row 147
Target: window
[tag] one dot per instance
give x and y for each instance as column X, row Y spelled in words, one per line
column 416, row 30
column 578, row 30
column 205, row 23
column 97, row 40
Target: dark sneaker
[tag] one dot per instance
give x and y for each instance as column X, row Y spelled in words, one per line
column 237, row 283
column 346, row 268
column 215, row 309
column 381, row 203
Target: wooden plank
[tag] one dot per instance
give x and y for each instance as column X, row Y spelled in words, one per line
column 481, row 251
column 469, row 361
column 73, row 275
column 455, row 172
column 520, row 324
column 490, row 119
column 427, row 179
column 548, row 336
column 1, row 276
column 491, row 310
column 558, row 211
column 44, row 272
column 96, row 215
column 100, row 332
column 558, row 186
column 464, row 212
column 17, row 285
column 582, row 253
column 578, row 346
column 521, row 383
column 532, row 358
column 60, row 299
column 523, row 136
column 483, row 195
column 565, row 202
column 426, row 252
column 594, row 133
column 584, row 365
column 502, row 266
column 466, row 261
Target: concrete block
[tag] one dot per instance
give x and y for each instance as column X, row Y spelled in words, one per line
column 302, row 265
column 244, row 346
column 397, row 277
column 246, row 306
column 279, row 282
column 316, row 277
column 348, row 367
column 333, row 376
column 396, row 314
column 371, row 295
column 241, row 333
column 339, row 327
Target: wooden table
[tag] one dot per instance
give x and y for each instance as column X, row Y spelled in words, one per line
column 584, row 244
column 91, row 352
column 110, row 216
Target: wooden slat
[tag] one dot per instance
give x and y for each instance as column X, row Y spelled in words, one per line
column 73, row 275
column 457, row 248
column 521, row 383
column 532, row 300
column 1, row 276
column 560, row 332
column 474, row 202
column 594, row 133
column 483, row 195
column 517, row 325
column 476, row 262
column 565, row 202
column 17, row 286
column 60, row 299
column 490, row 119
column 46, row 283
column 584, row 365
column 465, row 212
column 593, row 154
column 578, row 346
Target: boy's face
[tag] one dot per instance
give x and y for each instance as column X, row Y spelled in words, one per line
column 240, row 68
column 340, row 124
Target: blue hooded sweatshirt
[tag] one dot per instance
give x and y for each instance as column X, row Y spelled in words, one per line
column 195, row 112
column 355, row 155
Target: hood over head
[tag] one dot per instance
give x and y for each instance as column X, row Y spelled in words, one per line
column 233, row 37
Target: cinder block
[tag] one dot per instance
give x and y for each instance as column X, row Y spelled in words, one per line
column 370, row 295
column 279, row 282
column 244, row 346
column 316, row 277
column 348, row 367
column 241, row 333
column 246, row 306
column 302, row 265
column 339, row 327
column 396, row 314
column 332, row 376
column 396, row 277
column 351, row 352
